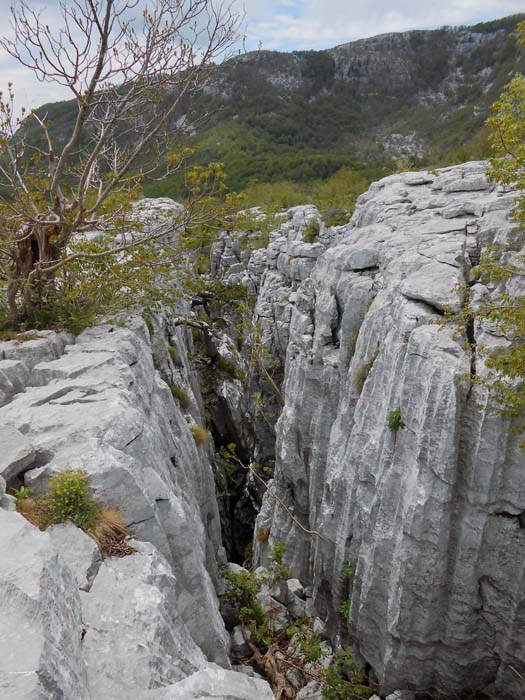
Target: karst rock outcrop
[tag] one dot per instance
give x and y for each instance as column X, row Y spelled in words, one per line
column 418, row 533
column 429, row 518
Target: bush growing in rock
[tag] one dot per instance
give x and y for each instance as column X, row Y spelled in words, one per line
column 227, row 367
column 200, row 434
column 394, row 420
column 69, row 497
column 292, row 654
column 174, row 354
column 181, row 396
column 311, row 232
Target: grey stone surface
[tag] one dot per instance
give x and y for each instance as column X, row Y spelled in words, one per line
column 78, row 550
column 40, row 618
column 213, row 683
column 100, row 405
column 239, row 648
column 16, row 452
column 135, row 637
column 310, row 692
column 427, row 516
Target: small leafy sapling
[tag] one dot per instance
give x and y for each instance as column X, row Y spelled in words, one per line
column 395, row 421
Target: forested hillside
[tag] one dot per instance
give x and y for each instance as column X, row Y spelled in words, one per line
column 421, row 97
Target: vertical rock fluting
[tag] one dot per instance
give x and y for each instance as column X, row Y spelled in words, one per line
column 430, row 516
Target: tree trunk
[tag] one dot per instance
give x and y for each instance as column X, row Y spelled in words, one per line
column 29, row 288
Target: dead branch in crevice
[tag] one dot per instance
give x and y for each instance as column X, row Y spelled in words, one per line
column 209, row 341
column 273, row 495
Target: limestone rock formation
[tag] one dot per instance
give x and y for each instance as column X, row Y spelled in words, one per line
column 75, row 627
column 41, row 618
column 100, row 405
column 418, row 531
column 428, row 517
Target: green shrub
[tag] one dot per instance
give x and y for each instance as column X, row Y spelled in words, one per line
column 336, row 216
column 227, row 367
column 394, row 420
column 200, row 434
column 311, row 232
column 341, row 679
column 181, row 396
column 149, row 324
column 70, row 498
column 336, row 196
column 348, row 571
column 308, row 641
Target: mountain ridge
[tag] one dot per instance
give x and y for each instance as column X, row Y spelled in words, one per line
column 421, row 96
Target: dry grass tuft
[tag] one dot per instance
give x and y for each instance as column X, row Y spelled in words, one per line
column 200, row 434
column 109, row 532
column 262, row 535
column 36, row 510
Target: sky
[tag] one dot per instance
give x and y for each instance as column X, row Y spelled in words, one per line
column 287, row 25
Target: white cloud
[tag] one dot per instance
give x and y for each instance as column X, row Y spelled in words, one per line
column 287, row 25
column 323, row 23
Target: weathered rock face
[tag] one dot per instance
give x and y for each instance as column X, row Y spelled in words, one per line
column 101, row 406
column 429, row 516
column 40, row 627
column 74, row 626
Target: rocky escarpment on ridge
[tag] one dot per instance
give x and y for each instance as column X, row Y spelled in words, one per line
column 429, row 517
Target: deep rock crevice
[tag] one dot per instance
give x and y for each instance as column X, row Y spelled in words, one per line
column 419, row 525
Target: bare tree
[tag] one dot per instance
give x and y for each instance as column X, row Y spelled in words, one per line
column 131, row 78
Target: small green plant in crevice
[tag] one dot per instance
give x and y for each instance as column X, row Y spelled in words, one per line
column 395, row 421
column 200, row 434
column 149, row 325
column 352, row 342
column 181, row 396
column 229, row 369
column 345, row 610
column 348, row 571
column 311, row 232
column 22, row 493
column 308, row 640
column 342, row 680
column 278, row 570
